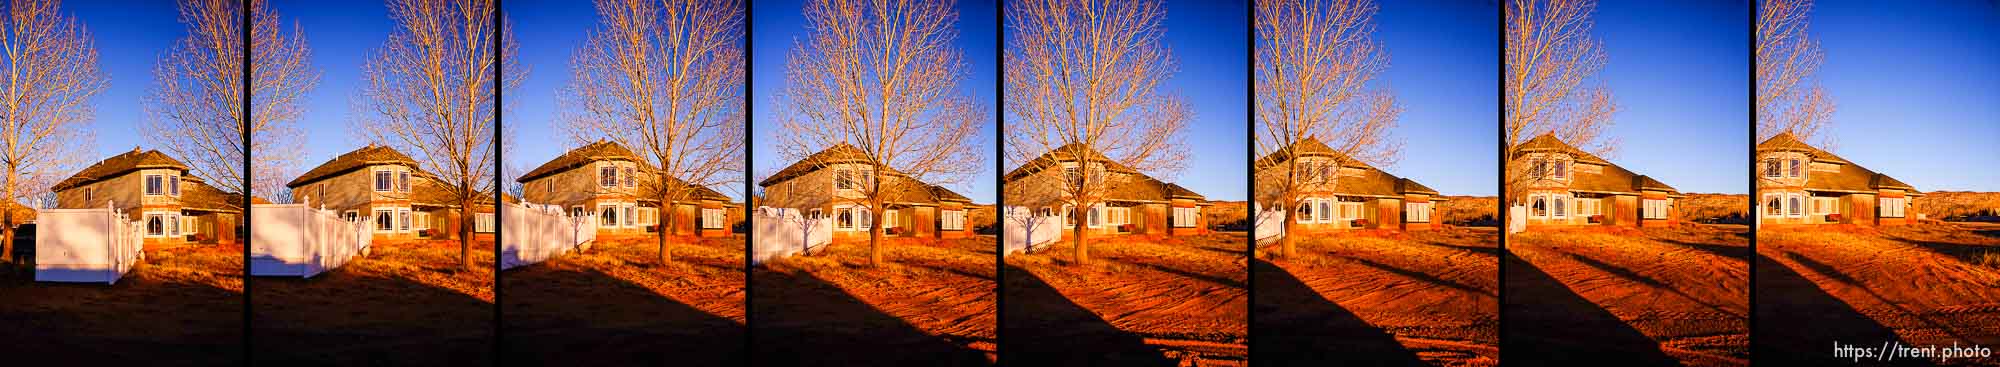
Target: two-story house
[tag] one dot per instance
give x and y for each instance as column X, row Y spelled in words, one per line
column 1567, row 186
column 606, row 179
column 829, row 185
column 1337, row 192
column 384, row 186
column 1131, row 202
column 1800, row 184
column 157, row 190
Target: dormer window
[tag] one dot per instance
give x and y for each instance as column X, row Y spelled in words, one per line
column 403, row 181
column 155, row 184
column 607, row 176
column 384, row 180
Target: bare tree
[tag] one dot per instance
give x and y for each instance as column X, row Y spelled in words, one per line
column 1315, row 60
column 195, row 111
column 883, row 78
column 665, row 78
column 1082, row 84
column 1552, row 60
column 45, row 109
column 1789, row 96
column 429, row 90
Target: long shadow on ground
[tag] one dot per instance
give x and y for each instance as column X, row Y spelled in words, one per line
column 330, row 320
column 1549, row 325
column 1040, row 327
column 1798, row 323
column 1295, row 326
column 801, row 320
column 586, row 317
column 96, row 324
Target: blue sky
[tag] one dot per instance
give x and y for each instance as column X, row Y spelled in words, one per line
column 1211, row 41
column 1917, row 88
column 1443, row 69
column 1681, row 83
column 341, row 34
column 130, row 38
column 778, row 24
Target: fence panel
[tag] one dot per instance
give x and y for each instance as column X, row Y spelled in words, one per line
column 1270, row 225
column 85, row 245
column 536, row 233
column 1026, row 232
column 297, row 240
column 784, row 232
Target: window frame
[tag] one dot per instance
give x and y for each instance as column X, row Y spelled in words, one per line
column 384, row 180
column 711, row 218
column 155, row 184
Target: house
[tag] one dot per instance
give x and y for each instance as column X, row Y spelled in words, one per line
column 1132, row 202
column 151, row 187
column 828, row 185
column 1800, row 184
column 1353, row 195
column 384, row 186
column 1565, row 186
column 606, row 179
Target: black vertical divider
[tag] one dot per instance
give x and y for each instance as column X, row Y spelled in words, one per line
column 999, row 179
column 1250, row 180
column 749, row 212
column 1500, row 181
column 243, row 230
column 1750, row 160
column 499, row 159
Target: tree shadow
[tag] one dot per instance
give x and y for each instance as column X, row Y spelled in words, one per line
column 1489, row 251
column 1733, row 252
column 1296, row 326
column 801, row 320
column 97, row 324
column 587, row 317
column 1225, row 282
column 1798, row 322
column 1547, row 324
column 1040, row 327
column 1420, row 276
column 343, row 319
column 1633, row 276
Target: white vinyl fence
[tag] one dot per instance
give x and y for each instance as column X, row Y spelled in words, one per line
column 784, row 232
column 86, row 245
column 297, row 240
column 1027, row 233
column 1517, row 219
column 536, row 233
column 1270, row 225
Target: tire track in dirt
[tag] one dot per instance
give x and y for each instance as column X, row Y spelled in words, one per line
column 1432, row 292
column 1691, row 301
column 1182, row 296
column 1898, row 281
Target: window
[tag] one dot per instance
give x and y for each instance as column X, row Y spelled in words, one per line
column 1186, row 217
column 1305, row 211
column 403, row 220
column 1417, row 212
column 1771, row 168
column 952, row 220
column 1654, row 209
column 1794, row 205
column 816, row 214
column 1586, row 207
column 1097, row 217
column 1562, row 169
column 630, row 212
column 187, row 225
column 1560, row 203
column 607, row 176
column 867, row 218
column 607, row 216
column 1118, row 215
column 1046, row 212
column 843, row 219
column 156, row 225
column 1069, row 216
column 423, row 220
column 1893, row 207
column 385, row 220
column 1796, row 170
column 1825, row 205
column 1070, row 175
column 154, row 185
column 1540, row 206
column 382, row 181
column 350, row 215
column 843, row 179
column 711, row 218
column 1326, row 211
column 576, row 211
column 649, row 215
column 173, row 223
column 174, row 185
column 403, row 181
column 629, row 182
column 889, row 219
column 482, row 223
column 89, row 194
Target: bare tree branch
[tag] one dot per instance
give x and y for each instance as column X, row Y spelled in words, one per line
column 51, row 75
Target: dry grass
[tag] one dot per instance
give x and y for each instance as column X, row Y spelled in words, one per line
column 1227, row 214
column 1714, row 208
column 615, row 304
column 1388, row 298
column 406, row 302
column 1469, row 210
column 931, row 303
column 1654, row 295
column 182, row 306
column 1959, row 205
column 1924, row 284
column 1140, row 300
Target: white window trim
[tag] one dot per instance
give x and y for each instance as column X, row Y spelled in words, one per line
column 1327, row 211
column 1544, row 199
column 1891, row 207
column 148, row 185
column 953, row 220
column 1653, row 208
column 1559, row 206
column 375, row 214
column 187, row 225
column 1795, row 205
column 422, row 219
column 1417, row 212
column 1185, row 217
column 482, row 223
column 711, row 218
column 601, row 217
column 379, row 183
column 889, row 219
column 403, row 220
column 1304, row 212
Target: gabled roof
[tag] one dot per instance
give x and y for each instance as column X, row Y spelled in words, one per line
column 119, row 165
column 1611, row 178
column 601, row 150
column 366, row 156
column 1144, row 188
column 1848, row 176
column 1372, row 181
column 839, row 153
column 198, row 195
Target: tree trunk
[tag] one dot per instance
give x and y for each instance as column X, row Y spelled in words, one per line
column 665, row 220
column 1077, row 233
column 465, row 221
column 1288, row 250
column 7, row 222
column 875, row 232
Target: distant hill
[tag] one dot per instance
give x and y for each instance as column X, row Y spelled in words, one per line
column 1471, row 211
column 1715, row 208
column 1228, row 215
column 1960, row 206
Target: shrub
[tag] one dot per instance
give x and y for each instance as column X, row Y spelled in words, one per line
column 1833, row 217
column 652, row 228
column 1361, row 222
column 1128, row 227
column 1596, row 218
column 894, row 231
column 423, row 233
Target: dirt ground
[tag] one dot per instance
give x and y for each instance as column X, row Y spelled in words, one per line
column 1912, row 285
column 932, row 304
column 1381, row 298
column 182, row 306
column 616, row 305
column 1657, row 296
column 406, row 303
column 1139, row 301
